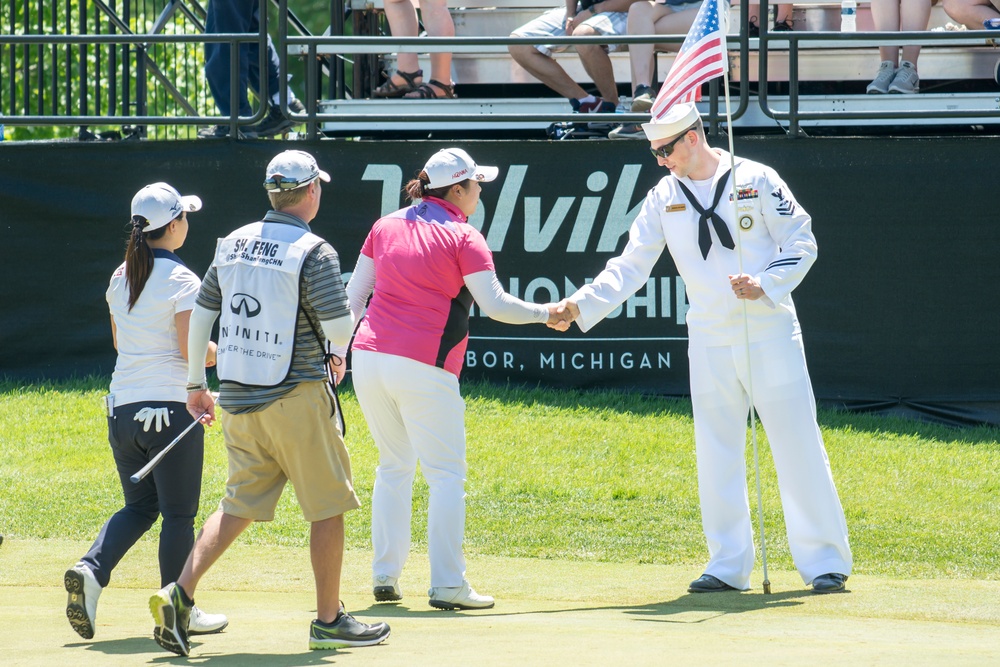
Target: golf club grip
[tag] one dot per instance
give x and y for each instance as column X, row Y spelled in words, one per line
column 159, row 457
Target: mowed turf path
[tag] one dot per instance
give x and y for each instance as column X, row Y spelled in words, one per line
column 548, row 613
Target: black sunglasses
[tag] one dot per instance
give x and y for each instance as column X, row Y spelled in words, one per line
column 285, row 183
column 666, row 149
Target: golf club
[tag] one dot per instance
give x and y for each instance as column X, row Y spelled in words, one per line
column 746, row 338
column 145, row 470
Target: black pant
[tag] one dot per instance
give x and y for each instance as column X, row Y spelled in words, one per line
column 172, row 490
column 237, row 16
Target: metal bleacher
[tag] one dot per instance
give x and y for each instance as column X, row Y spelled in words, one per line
column 827, row 75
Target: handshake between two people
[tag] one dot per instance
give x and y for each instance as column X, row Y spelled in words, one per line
column 562, row 314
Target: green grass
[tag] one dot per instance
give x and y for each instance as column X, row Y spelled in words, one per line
column 590, row 476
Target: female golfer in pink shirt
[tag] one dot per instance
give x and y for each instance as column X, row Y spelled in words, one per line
column 423, row 267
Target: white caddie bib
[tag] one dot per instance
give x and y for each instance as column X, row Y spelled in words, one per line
column 259, row 267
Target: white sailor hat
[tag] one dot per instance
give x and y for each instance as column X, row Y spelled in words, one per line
column 678, row 118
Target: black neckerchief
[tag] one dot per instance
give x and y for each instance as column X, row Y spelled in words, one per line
column 721, row 230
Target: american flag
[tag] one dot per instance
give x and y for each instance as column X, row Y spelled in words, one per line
column 702, row 57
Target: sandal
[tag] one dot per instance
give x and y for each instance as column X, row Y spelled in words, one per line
column 390, row 89
column 425, row 92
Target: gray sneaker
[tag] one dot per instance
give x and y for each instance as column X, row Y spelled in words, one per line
column 643, row 100
column 880, row 86
column 171, row 616
column 906, row 80
column 344, row 632
column 627, row 132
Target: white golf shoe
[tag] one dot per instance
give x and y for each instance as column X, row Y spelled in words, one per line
column 81, row 605
column 458, row 597
column 201, row 623
column 386, row 588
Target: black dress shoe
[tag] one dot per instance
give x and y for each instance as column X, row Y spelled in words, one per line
column 217, row 132
column 274, row 123
column 831, row 582
column 706, row 583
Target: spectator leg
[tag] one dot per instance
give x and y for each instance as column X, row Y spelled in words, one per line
column 971, row 13
column 227, row 16
column 546, row 70
column 597, row 64
column 438, row 22
column 914, row 16
column 403, row 23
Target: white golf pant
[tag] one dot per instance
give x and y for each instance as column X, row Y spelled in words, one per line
column 814, row 518
column 415, row 412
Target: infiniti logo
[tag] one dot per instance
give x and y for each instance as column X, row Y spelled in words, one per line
column 245, row 303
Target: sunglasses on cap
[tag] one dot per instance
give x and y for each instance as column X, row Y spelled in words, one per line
column 275, row 183
column 665, row 150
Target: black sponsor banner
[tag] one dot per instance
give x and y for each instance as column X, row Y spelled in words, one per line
column 898, row 310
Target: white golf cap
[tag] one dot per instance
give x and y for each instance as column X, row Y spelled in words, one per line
column 160, row 203
column 290, row 170
column 453, row 165
column 678, row 118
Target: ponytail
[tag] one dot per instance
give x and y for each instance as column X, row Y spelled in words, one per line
column 417, row 188
column 139, row 257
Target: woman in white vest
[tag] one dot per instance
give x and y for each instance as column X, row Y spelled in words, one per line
column 430, row 265
column 151, row 297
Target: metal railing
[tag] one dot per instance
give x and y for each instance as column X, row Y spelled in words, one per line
column 141, row 68
column 115, row 68
column 100, row 74
column 768, row 44
column 311, row 48
column 799, row 41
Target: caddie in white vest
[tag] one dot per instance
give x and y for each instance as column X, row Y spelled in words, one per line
column 260, row 265
column 278, row 289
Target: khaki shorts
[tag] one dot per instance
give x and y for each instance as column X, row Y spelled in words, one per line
column 294, row 439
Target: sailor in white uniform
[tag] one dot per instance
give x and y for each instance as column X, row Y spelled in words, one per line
column 690, row 212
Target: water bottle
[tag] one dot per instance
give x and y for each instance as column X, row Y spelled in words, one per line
column 992, row 24
column 848, row 15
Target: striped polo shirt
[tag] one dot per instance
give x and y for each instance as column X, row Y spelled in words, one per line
column 321, row 297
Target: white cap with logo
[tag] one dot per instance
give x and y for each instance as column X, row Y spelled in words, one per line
column 160, row 204
column 290, row 170
column 453, row 165
column 678, row 118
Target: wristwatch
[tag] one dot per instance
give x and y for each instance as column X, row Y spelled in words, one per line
column 197, row 386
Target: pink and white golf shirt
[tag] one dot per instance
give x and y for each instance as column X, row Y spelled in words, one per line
column 420, row 306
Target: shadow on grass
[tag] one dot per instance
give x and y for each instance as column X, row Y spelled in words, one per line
column 702, row 607
column 200, row 654
column 699, row 607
